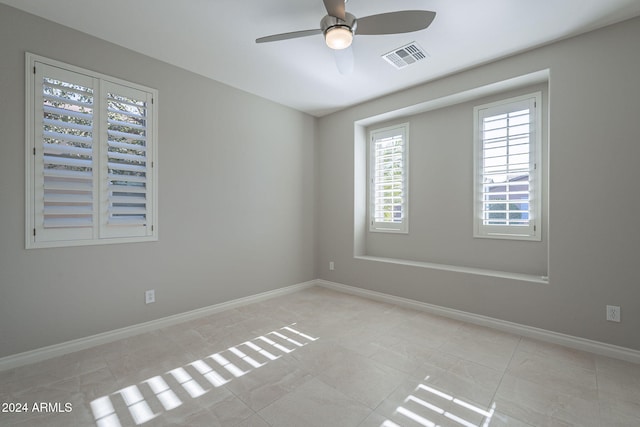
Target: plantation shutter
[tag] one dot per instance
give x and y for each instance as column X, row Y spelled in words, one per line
column 90, row 157
column 127, row 186
column 507, row 168
column 389, row 179
column 64, row 152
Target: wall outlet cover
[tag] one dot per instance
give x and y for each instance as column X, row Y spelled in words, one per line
column 149, row 296
column 613, row 313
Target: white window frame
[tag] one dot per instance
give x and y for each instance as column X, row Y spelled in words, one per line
column 533, row 229
column 375, row 224
column 102, row 227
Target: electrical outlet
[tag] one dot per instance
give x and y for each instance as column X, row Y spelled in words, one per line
column 149, row 296
column 613, row 313
column 331, row 265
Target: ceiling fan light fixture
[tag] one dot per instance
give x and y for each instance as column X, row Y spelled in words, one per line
column 338, row 37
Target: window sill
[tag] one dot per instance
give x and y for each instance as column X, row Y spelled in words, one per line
column 460, row 269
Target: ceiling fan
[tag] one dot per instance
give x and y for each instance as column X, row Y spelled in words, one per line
column 339, row 27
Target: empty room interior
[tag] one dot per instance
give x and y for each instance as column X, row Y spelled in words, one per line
column 416, row 213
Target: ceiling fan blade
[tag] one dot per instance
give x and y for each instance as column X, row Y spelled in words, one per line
column 344, row 59
column 285, row 36
column 404, row 21
column 335, row 8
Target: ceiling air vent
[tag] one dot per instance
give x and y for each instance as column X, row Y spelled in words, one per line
column 405, row 55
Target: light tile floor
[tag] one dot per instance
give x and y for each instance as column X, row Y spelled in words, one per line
column 322, row 358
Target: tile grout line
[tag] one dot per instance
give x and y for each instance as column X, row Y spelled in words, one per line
column 504, row 372
column 597, row 370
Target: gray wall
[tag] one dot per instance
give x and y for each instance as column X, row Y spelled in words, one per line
column 226, row 155
column 593, row 233
column 236, row 200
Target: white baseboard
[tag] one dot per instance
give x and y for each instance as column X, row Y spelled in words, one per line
column 67, row 347
column 583, row 344
column 577, row 343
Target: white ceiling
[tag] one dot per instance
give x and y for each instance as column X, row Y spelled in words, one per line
column 215, row 38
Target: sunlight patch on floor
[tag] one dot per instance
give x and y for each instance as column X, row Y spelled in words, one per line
column 211, row 368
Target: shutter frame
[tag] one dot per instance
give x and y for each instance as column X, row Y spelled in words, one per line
column 396, row 161
column 64, row 196
column 517, row 191
column 70, row 155
column 127, row 181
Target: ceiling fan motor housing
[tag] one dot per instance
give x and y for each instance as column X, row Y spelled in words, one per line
column 329, row 22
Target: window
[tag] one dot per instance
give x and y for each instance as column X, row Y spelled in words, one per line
column 91, row 157
column 388, row 182
column 507, row 184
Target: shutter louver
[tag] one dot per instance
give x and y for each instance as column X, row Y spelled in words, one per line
column 507, row 182
column 66, row 147
column 127, row 129
column 506, row 168
column 389, row 179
